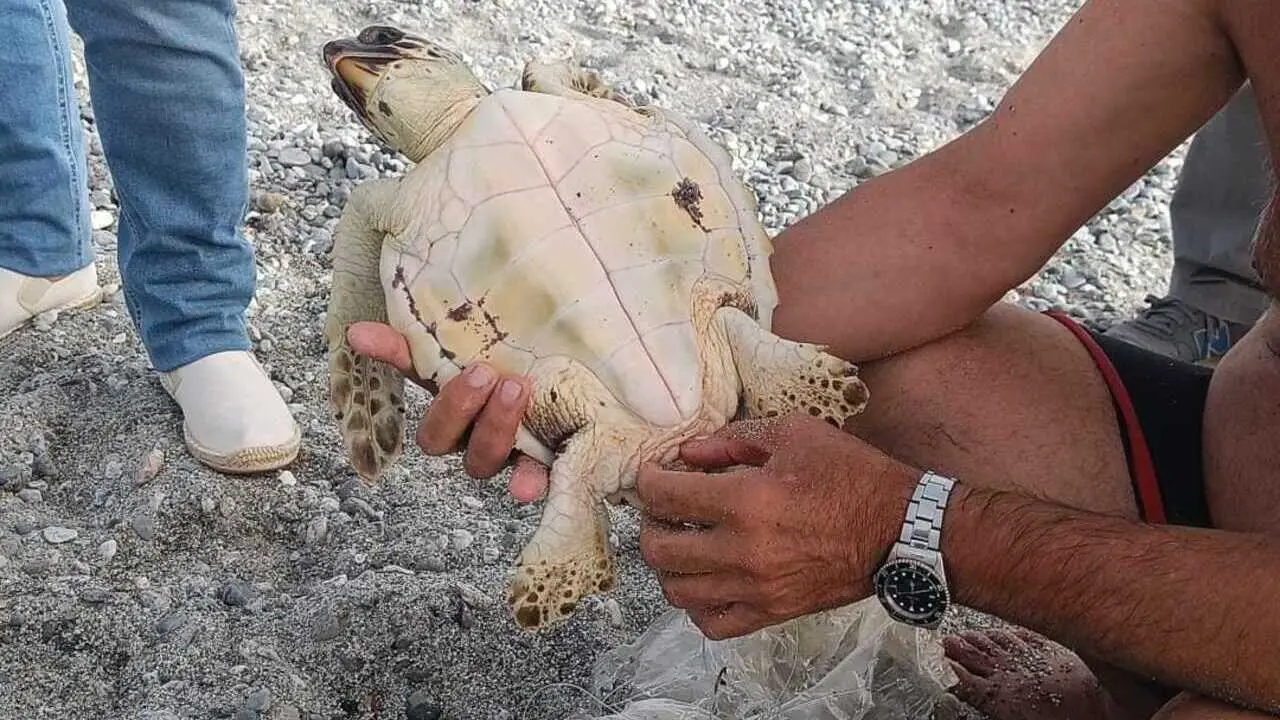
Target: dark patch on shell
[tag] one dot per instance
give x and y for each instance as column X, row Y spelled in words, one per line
column 460, row 313
column 688, row 197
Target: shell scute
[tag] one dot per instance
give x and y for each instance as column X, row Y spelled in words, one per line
column 575, row 243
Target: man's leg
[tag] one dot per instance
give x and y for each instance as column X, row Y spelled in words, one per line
column 1214, row 296
column 1192, row 707
column 168, row 94
column 1014, row 402
column 44, row 203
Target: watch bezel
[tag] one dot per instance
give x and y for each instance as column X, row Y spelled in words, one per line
column 931, row 619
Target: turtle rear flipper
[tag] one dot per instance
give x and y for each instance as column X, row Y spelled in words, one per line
column 597, row 442
column 366, row 395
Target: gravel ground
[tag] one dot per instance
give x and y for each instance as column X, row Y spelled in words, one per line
column 136, row 584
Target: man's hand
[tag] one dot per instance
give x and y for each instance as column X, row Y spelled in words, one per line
column 479, row 408
column 801, row 528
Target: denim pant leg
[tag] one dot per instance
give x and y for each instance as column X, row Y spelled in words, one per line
column 44, row 201
column 168, row 95
column 1223, row 187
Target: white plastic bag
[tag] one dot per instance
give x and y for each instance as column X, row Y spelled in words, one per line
column 851, row 663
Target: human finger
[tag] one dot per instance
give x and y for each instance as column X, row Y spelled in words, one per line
column 716, row 452
column 684, row 498
column 729, row 622
column 381, row 342
column 454, row 409
column 670, row 549
column 494, row 433
column 702, row 590
column 529, row 479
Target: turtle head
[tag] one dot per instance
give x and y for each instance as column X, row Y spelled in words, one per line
column 408, row 91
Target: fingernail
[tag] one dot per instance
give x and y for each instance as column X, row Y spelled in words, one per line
column 479, row 376
column 509, row 391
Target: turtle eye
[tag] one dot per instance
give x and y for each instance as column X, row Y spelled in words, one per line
column 379, row 35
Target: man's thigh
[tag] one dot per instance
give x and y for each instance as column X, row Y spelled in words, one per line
column 1014, row 401
column 1242, row 425
column 1192, row 707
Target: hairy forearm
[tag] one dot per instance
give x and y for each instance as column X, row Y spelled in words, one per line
column 1189, row 607
column 909, row 256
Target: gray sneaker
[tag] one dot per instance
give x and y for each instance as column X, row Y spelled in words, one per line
column 1175, row 329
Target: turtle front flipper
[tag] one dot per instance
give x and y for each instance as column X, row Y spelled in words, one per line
column 366, row 395
column 557, row 77
column 780, row 376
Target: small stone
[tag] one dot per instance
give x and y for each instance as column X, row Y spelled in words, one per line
column 107, row 549
column 144, row 525
column 327, row 626
column 429, row 563
column 466, row 618
column 287, row 478
column 802, row 170
column 472, row 502
column 471, row 596
column 259, row 700
column 284, row 712
column 31, row 496
column 150, row 465
column 614, row 611
column 58, row 535
column 237, row 593
column 420, row 706
column 268, row 202
column 169, row 623
column 317, row 530
column 461, row 539
column 294, row 157
column 101, row 219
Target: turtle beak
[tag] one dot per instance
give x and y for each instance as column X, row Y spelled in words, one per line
column 356, row 64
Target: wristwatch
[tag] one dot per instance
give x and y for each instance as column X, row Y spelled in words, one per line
column 911, row 583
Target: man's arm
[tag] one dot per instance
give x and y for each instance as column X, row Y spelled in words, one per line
column 1194, row 608
column 911, row 255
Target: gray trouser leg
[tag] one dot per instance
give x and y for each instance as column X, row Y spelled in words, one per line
column 1214, row 212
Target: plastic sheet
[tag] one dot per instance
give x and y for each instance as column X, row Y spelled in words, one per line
column 851, row 663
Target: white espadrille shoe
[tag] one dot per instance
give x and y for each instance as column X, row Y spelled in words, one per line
column 234, row 419
column 23, row 297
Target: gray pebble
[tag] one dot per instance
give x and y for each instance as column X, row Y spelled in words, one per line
column 294, row 157
column 144, row 525
column 461, row 539
column 429, row 563
column 31, row 496
column 237, row 593
column 421, row 706
column 326, row 626
column 259, row 700
column 58, row 535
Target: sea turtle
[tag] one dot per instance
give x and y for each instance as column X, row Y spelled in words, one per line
column 606, row 250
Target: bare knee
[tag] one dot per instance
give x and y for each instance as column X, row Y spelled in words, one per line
column 1013, row 401
column 1187, row 706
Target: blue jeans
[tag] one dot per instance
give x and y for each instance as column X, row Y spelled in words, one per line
column 168, row 98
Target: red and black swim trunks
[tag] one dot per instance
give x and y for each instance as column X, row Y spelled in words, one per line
column 1159, row 406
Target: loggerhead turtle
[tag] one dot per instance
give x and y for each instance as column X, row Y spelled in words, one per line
column 604, row 249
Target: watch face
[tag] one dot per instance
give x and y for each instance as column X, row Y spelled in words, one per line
column 912, row 592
